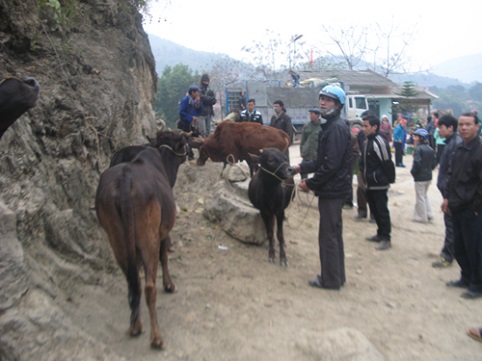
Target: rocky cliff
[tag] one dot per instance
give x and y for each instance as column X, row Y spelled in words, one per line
column 97, row 77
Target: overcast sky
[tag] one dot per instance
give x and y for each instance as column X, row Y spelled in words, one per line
column 443, row 31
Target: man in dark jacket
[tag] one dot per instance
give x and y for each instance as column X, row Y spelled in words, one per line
column 282, row 121
column 424, row 162
column 331, row 182
column 251, row 114
column 464, row 200
column 208, row 99
column 448, row 130
column 378, row 172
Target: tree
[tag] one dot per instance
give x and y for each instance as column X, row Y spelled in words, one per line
column 172, row 86
column 350, row 41
column 265, row 54
column 406, row 105
column 381, row 48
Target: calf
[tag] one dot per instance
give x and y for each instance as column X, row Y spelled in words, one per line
column 16, row 97
column 135, row 206
column 271, row 190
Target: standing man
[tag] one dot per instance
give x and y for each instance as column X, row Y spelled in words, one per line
column 399, row 138
column 378, row 172
column 189, row 110
column 208, row 99
column 251, row 114
column 464, row 200
column 331, row 182
column 309, row 138
column 447, row 127
column 282, row 121
column 424, row 162
column 242, row 101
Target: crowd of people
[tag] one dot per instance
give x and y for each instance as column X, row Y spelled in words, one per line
column 332, row 153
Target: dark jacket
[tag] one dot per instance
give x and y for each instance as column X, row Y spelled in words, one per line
column 424, row 162
column 446, row 161
column 283, row 122
column 333, row 165
column 465, row 177
column 208, row 99
column 376, row 163
column 255, row 117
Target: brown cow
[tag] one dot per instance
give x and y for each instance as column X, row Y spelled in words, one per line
column 16, row 97
column 240, row 139
column 135, row 205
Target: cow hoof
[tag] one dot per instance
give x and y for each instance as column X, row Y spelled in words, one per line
column 157, row 344
column 271, row 260
column 284, row 263
column 135, row 331
column 170, row 288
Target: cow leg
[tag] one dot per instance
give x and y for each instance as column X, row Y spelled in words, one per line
column 134, row 297
column 269, row 224
column 281, row 239
column 166, row 278
column 151, row 293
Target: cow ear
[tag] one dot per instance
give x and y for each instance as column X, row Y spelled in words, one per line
column 254, row 157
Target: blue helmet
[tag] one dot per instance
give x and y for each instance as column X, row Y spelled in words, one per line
column 421, row 133
column 334, row 92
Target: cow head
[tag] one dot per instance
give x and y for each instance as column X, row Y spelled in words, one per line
column 273, row 162
column 16, row 97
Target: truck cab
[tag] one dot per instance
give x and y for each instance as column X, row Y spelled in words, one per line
column 355, row 105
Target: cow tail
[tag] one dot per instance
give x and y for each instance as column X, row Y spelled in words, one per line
column 127, row 214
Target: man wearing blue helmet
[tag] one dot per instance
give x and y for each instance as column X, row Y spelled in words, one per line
column 331, row 182
column 424, row 161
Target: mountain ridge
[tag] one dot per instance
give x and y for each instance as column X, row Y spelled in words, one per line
column 461, row 71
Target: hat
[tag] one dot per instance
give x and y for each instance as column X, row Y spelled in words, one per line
column 193, row 88
column 315, row 110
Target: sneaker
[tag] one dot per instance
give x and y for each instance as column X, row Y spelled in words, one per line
column 441, row 263
column 384, row 245
column 360, row 216
column 471, row 295
column 458, row 284
column 373, row 239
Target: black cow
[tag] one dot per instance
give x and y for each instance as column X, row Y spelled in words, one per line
column 16, row 97
column 271, row 190
column 135, row 205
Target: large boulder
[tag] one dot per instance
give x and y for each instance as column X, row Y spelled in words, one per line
column 230, row 207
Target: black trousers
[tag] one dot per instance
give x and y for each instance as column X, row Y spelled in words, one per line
column 448, row 248
column 398, row 153
column 330, row 241
column 378, row 203
column 468, row 247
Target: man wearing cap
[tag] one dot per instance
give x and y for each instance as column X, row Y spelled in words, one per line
column 424, row 161
column 309, row 138
column 331, row 182
column 189, row 110
column 282, row 121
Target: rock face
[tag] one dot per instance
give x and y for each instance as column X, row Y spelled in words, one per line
column 98, row 79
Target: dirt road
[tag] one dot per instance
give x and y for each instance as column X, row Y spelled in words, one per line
column 231, row 304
